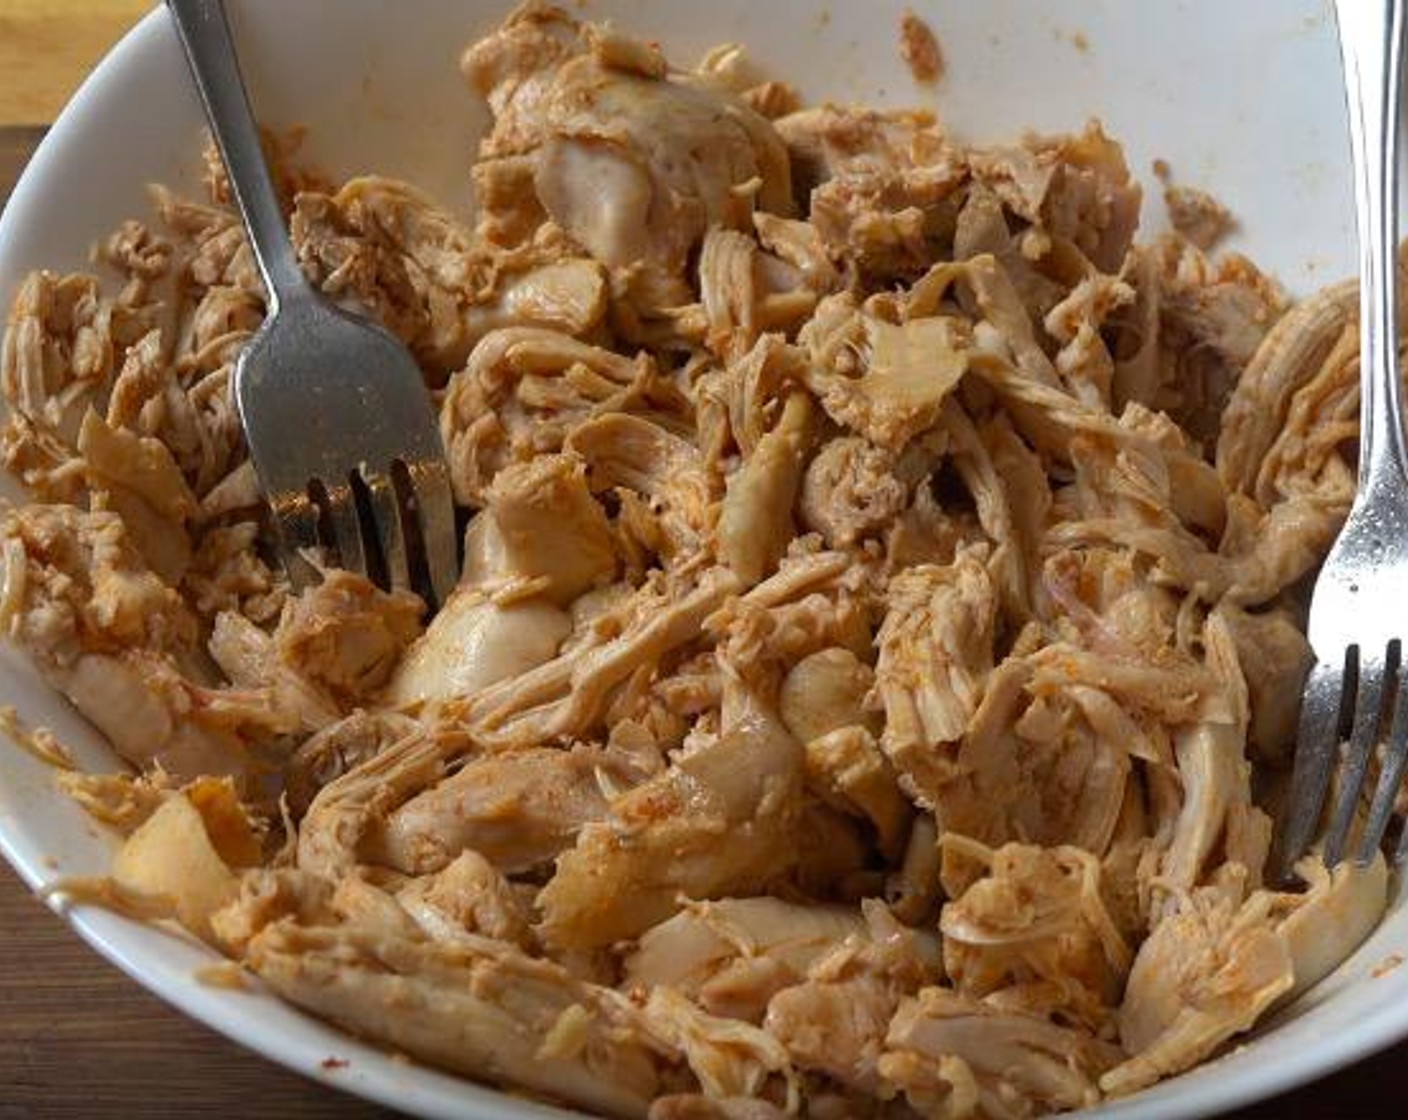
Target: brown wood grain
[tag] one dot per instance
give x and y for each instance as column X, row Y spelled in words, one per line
column 47, row 46
column 80, row 1039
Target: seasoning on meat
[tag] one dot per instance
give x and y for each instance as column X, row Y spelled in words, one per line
column 880, row 625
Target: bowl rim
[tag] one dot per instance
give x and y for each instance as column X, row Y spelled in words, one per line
column 134, row 946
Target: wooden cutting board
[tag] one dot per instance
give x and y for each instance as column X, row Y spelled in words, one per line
column 80, row 1039
column 46, row 46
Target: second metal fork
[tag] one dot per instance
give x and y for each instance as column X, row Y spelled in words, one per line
column 1359, row 613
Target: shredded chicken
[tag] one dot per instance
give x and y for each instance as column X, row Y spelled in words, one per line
column 880, row 630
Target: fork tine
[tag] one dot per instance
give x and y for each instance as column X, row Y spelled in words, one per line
column 1368, row 715
column 296, row 531
column 1395, row 754
column 390, row 532
column 1316, row 743
column 1402, row 850
column 346, row 527
column 430, row 482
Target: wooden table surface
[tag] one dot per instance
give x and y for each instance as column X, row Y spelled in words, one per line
column 77, row 1037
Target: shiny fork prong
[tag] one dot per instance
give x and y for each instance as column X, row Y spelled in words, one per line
column 295, row 519
column 1390, row 775
column 1401, row 852
column 339, row 508
column 1368, row 718
column 390, row 529
column 1317, row 744
column 435, row 509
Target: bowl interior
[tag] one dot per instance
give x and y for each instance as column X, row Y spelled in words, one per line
column 377, row 84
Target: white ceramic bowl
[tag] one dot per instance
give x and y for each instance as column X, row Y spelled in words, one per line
column 1240, row 97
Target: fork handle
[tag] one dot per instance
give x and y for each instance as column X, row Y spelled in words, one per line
column 1371, row 37
column 205, row 37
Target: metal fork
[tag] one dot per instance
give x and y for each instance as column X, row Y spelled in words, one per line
column 1359, row 613
column 340, row 426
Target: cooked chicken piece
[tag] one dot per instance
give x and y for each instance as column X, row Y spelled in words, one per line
column 835, row 1022
column 636, row 168
column 695, row 1106
column 935, row 655
column 996, row 501
column 506, row 205
column 1073, row 773
column 74, row 583
column 732, row 956
column 249, row 658
column 1206, row 973
column 565, row 698
column 121, row 801
column 473, row 643
column 919, row 47
column 1084, row 362
column 912, row 889
column 728, row 264
column 1307, row 457
column 927, row 534
column 334, row 646
column 513, row 69
column 823, row 705
column 468, row 896
column 524, row 389
column 553, row 532
column 121, row 645
column 1216, row 777
column 666, row 470
column 345, row 635
column 883, row 381
column 518, row 810
column 764, row 635
column 188, row 404
column 554, row 120
column 849, row 491
column 154, row 715
column 1294, row 350
column 564, row 295
column 338, row 748
column 835, row 1027
column 1036, row 927
column 755, row 520
column 1201, row 322
column 721, row 821
column 140, row 480
column 1028, row 500
column 828, row 141
column 956, row 1057
column 884, row 186
column 729, row 1057
column 184, row 858
column 348, row 813
column 1197, row 215
column 1332, row 918
column 386, row 247
column 228, row 574
column 825, row 692
column 729, row 67
column 476, row 1006
column 799, row 245
column 1076, row 187
column 745, row 291
column 383, row 245
column 63, row 344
